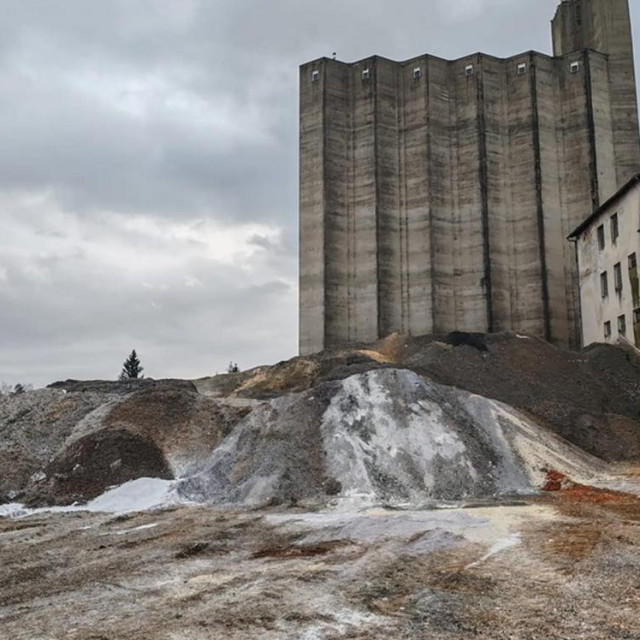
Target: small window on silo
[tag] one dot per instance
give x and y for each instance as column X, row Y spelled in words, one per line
column 522, row 69
column 315, row 76
column 601, row 237
column 607, row 330
column 366, row 74
column 417, row 73
column 574, row 67
column 468, row 70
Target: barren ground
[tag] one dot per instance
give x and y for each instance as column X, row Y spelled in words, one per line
column 563, row 566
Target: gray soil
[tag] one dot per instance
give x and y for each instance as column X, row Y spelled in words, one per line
column 202, row 574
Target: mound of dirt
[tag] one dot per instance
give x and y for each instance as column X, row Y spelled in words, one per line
column 591, row 399
column 88, row 467
column 383, row 437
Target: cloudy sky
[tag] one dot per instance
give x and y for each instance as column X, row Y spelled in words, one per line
column 148, row 168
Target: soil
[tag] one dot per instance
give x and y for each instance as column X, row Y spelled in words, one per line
column 569, row 570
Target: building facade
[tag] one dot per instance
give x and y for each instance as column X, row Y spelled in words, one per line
column 607, row 250
column 437, row 195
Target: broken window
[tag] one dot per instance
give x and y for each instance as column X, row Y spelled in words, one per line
column 604, row 285
column 468, row 70
column 366, row 74
column 607, row 330
column 315, row 76
column 417, row 73
column 601, row 237
column 622, row 325
column 617, row 276
column 575, row 67
column 615, row 229
column 522, row 69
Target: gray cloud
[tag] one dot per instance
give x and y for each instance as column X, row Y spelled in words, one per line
column 148, row 168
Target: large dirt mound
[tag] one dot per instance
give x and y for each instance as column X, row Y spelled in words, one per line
column 591, row 398
column 383, row 437
column 88, row 467
column 72, row 441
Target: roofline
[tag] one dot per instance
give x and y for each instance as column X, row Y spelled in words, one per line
column 587, row 223
column 477, row 54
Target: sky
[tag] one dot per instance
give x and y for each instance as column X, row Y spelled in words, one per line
column 149, row 168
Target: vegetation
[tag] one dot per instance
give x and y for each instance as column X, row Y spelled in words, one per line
column 131, row 368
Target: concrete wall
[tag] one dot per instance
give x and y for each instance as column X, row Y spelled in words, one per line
column 437, row 195
column 596, row 309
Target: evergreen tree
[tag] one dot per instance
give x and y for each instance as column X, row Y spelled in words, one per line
column 131, row 369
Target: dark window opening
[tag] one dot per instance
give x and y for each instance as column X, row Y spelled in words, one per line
column 615, row 228
column 633, row 262
column 607, row 330
column 601, row 237
column 622, row 325
column 604, row 285
column 617, row 276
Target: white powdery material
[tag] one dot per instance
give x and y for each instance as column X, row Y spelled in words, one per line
column 364, row 434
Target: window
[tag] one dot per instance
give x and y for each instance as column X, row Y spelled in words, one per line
column 633, row 262
column 315, row 76
column 607, row 330
column 366, row 74
column 636, row 316
column 468, row 70
column 575, row 67
column 417, row 73
column 622, row 325
column 522, row 69
column 604, row 285
column 617, row 277
column 601, row 237
column 615, row 228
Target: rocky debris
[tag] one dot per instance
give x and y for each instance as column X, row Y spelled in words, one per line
column 383, row 437
column 62, row 446
column 33, row 428
column 121, row 387
column 89, row 466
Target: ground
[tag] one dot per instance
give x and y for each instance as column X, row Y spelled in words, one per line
column 565, row 565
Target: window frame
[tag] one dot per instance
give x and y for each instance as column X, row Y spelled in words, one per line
column 607, row 329
column 622, row 325
column 615, row 228
column 604, row 285
column 602, row 239
column 618, row 283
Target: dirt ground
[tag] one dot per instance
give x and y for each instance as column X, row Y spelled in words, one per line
column 562, row 566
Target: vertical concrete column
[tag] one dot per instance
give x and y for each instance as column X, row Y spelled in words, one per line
column 415, row 168
column 549, row 125
column 442, row 142
column 363, row 185
column 312, row 181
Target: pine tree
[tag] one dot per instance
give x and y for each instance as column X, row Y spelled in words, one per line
column 131, row 368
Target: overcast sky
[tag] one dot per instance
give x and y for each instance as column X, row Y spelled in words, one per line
column 148, row 168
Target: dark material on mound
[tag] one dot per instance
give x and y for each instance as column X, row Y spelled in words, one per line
column 88, row 467
column 459, row 338
column 122, row 387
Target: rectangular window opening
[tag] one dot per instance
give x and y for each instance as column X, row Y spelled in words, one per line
column 636, row 316
column 468, row 70
column 607, row 330
column 615, row 228
column 617, row 276
column 622, row 325
column 633, row 261
column 604, row 285
column 601, row 237
column 417, row 73
column 575, row 67
column 366, row 74
column 315, row 76
column 522, row 69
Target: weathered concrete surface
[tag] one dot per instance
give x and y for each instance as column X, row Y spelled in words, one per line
column 437, row 195
column 564, row 568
